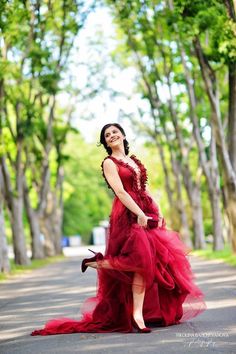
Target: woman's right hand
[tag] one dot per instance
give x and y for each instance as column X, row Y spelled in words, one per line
column 143, row 219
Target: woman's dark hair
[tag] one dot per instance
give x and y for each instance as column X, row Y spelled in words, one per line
column 103, row 140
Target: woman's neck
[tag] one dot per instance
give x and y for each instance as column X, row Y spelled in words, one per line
column 119, row 153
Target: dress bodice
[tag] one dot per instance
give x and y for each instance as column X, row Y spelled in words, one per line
column 133, row 179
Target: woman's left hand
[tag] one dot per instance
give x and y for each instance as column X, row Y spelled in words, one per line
column 143, row 219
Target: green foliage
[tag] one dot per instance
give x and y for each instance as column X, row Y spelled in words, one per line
column 34, row 60
column 210, row 21
column 87, row 200
column 36, row 39
column 224, row 255
column 156, row 36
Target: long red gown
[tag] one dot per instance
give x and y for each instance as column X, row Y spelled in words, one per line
column 157, row 254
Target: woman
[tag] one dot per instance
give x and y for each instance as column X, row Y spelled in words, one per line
column 144, row 276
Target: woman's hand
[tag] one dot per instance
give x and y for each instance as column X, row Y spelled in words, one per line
column 143, row 219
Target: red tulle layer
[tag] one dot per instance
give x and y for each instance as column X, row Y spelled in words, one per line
column 158, row 255
column 161, row 258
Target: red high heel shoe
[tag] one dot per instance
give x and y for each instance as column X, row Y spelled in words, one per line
column 140, row 330
column 98, row 256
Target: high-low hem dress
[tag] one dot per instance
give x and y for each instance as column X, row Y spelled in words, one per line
column 157, row 254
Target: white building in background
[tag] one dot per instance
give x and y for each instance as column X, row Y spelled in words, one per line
column 99, row 233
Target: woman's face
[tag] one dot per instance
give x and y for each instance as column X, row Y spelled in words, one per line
column 113, row 137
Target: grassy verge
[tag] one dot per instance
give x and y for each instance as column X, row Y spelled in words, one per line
column 224, row 255
column 35, row 263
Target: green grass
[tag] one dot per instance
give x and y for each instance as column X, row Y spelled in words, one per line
column 225, row 255
column 35, row 263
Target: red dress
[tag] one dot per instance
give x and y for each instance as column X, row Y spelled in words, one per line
column 158, row 254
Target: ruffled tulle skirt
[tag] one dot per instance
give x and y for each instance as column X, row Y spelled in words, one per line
column 160, row 257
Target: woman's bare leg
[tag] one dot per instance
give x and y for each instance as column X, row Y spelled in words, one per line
column 138, row 289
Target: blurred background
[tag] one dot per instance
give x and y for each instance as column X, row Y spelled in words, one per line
column 164, row 70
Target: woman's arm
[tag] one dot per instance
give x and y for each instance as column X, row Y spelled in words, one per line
column 113, row 178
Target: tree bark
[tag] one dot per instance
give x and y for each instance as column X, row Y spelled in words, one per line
column 4, row 260
column 19, row 244
column 15, row 205
column 180, row 205
column 211, row 170
column 215, row 197
column 59, row 206
column 229, row 172
column 199, row 239
column 177, row 206
column 55, row 217
column 232, row 115
column 45, row 205
column 194, row 196
column 193, row 188
column 47, row 227
column 36, row 242
column 155, row 104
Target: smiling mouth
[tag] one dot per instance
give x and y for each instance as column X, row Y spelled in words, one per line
column 112, row 141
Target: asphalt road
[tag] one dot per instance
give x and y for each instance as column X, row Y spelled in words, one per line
column 58, row 290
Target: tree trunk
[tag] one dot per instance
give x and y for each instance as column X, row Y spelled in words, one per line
column 181, row 208
column 15, row 206
column 167, row 183
column 199, row 239
column 191, row 186
column 47, row 226
column 50, row 225
column 45, row 207
column 231, row 194
column 215, row 197
column 176, row 207
column 59, row 207
column 194, row 196
column 232, row 115
column 4, row 260
column 36, row 243
column 231, row 212
column 166, row 173
column 19, row 244
column 57, row 218
column 217, row 225
column 155, row 103
column 229, row 172
column 211, row 170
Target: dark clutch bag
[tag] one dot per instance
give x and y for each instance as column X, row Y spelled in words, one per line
column 152, row 223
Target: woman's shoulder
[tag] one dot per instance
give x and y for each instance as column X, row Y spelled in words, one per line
column 107, row 162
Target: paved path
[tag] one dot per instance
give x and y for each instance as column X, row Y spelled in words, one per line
column 26, row 302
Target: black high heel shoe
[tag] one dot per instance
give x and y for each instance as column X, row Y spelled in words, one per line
column 140, row 330
column 98, row 257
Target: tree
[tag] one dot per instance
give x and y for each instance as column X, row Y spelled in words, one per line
column 220, row 51
column 34, row 61
column 145, row 39
column 4, row 261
